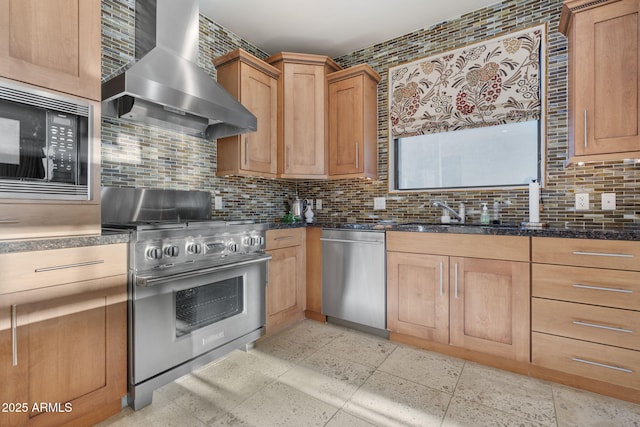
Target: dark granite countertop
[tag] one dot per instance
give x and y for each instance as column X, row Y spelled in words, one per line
column 106, row 238
column 492, row 229
column 119, row 236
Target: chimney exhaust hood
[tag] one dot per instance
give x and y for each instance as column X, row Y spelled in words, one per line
column 164, row 86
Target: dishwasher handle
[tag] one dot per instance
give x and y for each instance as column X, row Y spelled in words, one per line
column 366, row 242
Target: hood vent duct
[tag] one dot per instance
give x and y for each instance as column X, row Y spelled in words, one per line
column 164, row 86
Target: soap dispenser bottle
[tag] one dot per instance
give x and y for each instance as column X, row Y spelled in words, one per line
column 484, row 215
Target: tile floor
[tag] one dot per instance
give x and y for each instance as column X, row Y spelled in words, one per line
column 314, row 374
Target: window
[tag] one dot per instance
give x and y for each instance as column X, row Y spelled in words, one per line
column 470, row 118
column 495, row 156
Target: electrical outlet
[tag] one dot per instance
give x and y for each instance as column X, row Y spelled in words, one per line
column 582, row 202
column 318, row 204
column 217, row 202
column 379, row 203
column 608, row 201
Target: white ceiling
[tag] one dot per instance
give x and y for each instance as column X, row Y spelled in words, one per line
column 330, row 27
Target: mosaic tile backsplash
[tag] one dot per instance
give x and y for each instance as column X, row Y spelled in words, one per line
column 138, row 156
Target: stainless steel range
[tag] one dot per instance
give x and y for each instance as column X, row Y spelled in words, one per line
column 196, row 285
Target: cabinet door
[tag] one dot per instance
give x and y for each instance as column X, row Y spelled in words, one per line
column 346, row 126
column 604, row 73
column 259, row 93
column 286, row 288
column 418, row 295
column 53, row 44
column 490, row 306
column 303, row 121
column 70, row 351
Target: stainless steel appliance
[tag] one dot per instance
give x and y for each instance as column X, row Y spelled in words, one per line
column 165, row 87
column 196, row 286
column 354, row 279
column 44, row 144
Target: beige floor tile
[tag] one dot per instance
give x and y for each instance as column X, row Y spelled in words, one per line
column 344, row 419
column 217, row 388
column 430, row 369
column 165, row 414
column 515, row 394
column 462, row 413
column 278, row 405
column 312, row 334
column 578, row 408
column 327, row 377
column 386, row 400
column 284, row 349
column 361, row 348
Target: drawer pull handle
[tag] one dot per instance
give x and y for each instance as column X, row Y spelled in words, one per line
column 62, row 267
column 455, row 280
column 441, row 280
column 602, row 365
column 608, row 328
column 601, row 288
column 285, row 238
column 9, row 221
column 585, row 129
column 602, row 254
column 14, row 335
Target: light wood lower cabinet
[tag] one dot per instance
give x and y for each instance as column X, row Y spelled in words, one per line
column 63, row 345
column 314, row 275
column 490, row 306
column 286, row 289
column 478, row 304
column 418, row 295
column 585, row 313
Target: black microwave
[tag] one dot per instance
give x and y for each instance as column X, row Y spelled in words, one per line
column 45, row 147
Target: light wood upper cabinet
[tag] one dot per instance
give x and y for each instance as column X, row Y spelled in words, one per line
column 54, row 44
column 302, row 112
column 286, row 289
column 604, row 78
column 353, row 123
column 255, row 84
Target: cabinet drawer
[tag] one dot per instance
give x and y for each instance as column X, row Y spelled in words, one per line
column 37, row 269
column 33, row 221
column 596, row 361
column 613, row 254
column 612, row 288
column 285, row 238
column 603, row 325
column 510, row 248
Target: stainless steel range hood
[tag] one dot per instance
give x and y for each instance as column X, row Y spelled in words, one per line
column 165, row 87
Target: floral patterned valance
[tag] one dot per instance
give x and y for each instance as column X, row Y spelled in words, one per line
column 489, row 83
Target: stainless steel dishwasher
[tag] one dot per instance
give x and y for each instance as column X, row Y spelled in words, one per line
column 354, row 278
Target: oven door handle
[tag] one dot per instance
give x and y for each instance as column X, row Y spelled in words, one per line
column 155, row 280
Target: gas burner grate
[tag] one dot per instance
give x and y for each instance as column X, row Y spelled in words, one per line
column 207, row 304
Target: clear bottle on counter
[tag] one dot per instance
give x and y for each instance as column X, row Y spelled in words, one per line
column 484, row 215
column 496, row 212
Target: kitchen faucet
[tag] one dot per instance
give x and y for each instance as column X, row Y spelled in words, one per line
column 459, row 216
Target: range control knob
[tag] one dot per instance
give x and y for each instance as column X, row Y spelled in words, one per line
column 171, row 251
column 232, row 246
column 154, row 252
column 194, row 248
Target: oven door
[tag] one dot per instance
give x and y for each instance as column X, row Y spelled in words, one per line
column 184, row 316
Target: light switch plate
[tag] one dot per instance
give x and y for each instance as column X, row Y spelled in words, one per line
column 318, row 204
column 582, row 201
column 379, row 203
column 608, row 201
